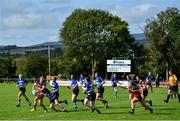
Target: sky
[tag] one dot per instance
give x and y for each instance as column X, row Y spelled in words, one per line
column 29, row 22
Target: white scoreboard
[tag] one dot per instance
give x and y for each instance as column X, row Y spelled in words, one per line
column 118, row 65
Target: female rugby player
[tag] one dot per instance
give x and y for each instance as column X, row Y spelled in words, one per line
column 75, row 89
column 98, row 82
column 22, row 83
column 37, row 89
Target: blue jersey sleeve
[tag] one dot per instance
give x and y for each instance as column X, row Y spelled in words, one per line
column 87, row 85
column 73, row 82
column 55, row 85
column 17, row 82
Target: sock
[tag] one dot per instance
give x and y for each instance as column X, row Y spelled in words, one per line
column 104, row 101
column 168, row 96
column 19, row 101
column 45, row 108
column 34, row 106
column 179, row 97
column 132, row 110
column 61, row 101
column 28, row 100
column 115, row 93
column 75, row 105
column 78, row 100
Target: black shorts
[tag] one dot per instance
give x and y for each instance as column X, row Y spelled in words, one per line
column 101, row 90
column 92, row 97
column 114, row 85
column 57, row 94
column 139, row 98
column 173, row 88
column 52, row 100
column 145, row 92
column 76, row 92
column 22, row 89
column 157, row 83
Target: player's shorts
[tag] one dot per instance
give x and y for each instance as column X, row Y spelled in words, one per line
column 57, row 94
column 76, row 92
column 52, row 100
column 40, row 94
column 149, row 83
column 22, row 89
column 92, row 97
column 173, row 88
column 157, row 83
column 139, row 97
column 114, row 85
column 101, row 90
column 145, row 92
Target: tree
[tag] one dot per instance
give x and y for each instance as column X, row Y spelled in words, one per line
column 7, row 67
column 163, row 33
column 93, row 36
column 32, row 66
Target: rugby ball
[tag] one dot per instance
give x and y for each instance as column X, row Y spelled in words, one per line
column 34, row 92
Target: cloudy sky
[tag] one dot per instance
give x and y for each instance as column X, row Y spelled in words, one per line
column 29, row 22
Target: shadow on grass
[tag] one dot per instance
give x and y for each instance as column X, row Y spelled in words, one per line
column 162, row 113
column 114, row 107
column 166, row 109
column 115, row 113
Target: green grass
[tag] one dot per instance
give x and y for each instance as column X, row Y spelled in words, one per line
column 118, row 107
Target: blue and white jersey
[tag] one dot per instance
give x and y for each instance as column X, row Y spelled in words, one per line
column 98, row 81
column 55, row 86
column 114, row 80
column 74, row 83
column 90, row 88
column 21, row 83
column 49, row 94
column 83, row 80
column 148, row 78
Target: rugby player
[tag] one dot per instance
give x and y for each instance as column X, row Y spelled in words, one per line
column 89, row 101
column 55, row 89
column 82, row 79
column 53, row 100
column 98, row 82
column 37, row 90
column 114, row 82
column 144, row 89
column 75, row 89
column 173, row 86
column 21, row 84
column 148, row 81
column 136, row 96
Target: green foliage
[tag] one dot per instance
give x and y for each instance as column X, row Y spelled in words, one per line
column 93, row 36
column 68, row 66
column 163, row 33
column 7, row 67
column 32, row 66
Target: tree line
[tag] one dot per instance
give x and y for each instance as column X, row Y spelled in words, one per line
column 93, row 36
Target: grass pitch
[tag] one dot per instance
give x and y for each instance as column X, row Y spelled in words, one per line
column 118, row 107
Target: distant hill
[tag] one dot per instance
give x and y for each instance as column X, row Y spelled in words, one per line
column 45, row 44
column 140, row 38
column 57, row 47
